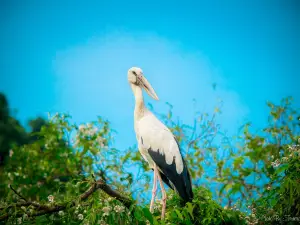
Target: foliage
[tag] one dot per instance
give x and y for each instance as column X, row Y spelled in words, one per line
column 11, row 131
column 280, row 202
column 72, row 174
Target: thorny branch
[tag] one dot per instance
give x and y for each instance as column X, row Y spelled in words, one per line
column 46, row 209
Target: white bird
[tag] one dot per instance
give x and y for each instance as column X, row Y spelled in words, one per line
column 158, row 145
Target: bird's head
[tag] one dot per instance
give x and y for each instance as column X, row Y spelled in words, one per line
column 137, row 78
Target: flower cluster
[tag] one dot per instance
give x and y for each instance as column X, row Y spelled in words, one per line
column 89, row 132
column 119, row 208
column 251, row 220
column 80, row 216
column 276, row 163
column 106, row 210
column 293, row 150
column 88, row 129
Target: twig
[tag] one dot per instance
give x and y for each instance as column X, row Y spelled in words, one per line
column 17, row 193
column 196, row 139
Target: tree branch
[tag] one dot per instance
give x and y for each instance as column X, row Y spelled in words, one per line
column 45, row 209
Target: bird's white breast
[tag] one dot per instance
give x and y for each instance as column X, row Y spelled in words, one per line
column 152, row 133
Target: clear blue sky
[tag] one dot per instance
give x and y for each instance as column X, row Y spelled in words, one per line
column 73, row 56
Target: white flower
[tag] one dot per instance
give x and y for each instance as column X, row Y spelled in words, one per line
column 51, row 198
column 61, row 213
column 119, row 209
column 269, row 187
column 23, row 208
column 19, row 220
column 106, row 210
column 11, row 152
column 80, row 216
column 76, row 212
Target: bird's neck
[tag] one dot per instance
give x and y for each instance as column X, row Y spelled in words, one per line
column 139, row 109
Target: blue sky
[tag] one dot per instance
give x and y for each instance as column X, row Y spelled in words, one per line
column 73, row 56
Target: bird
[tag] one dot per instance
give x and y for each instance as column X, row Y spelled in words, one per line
column 157, row 145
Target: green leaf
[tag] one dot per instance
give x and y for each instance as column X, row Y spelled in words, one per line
column 138, row 215
column 282, row 168
column 179, row 214
column 190, row 209
column 148, row 215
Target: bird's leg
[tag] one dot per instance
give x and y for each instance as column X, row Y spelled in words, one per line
column 154, row 189
column 164, row 197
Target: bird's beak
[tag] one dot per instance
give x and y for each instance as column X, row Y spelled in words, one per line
column 148, row 88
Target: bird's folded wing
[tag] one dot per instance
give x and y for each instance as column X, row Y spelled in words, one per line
column 164, row 151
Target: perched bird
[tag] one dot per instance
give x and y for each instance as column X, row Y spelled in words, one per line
column 158, row 145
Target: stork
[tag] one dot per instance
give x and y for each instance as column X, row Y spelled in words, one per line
column 157, row 145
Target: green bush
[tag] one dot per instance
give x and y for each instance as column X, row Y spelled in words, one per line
column 69, row 174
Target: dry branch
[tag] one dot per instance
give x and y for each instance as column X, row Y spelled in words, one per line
column 45, row 209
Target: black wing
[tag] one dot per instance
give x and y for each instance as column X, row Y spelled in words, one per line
column 181, row 182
